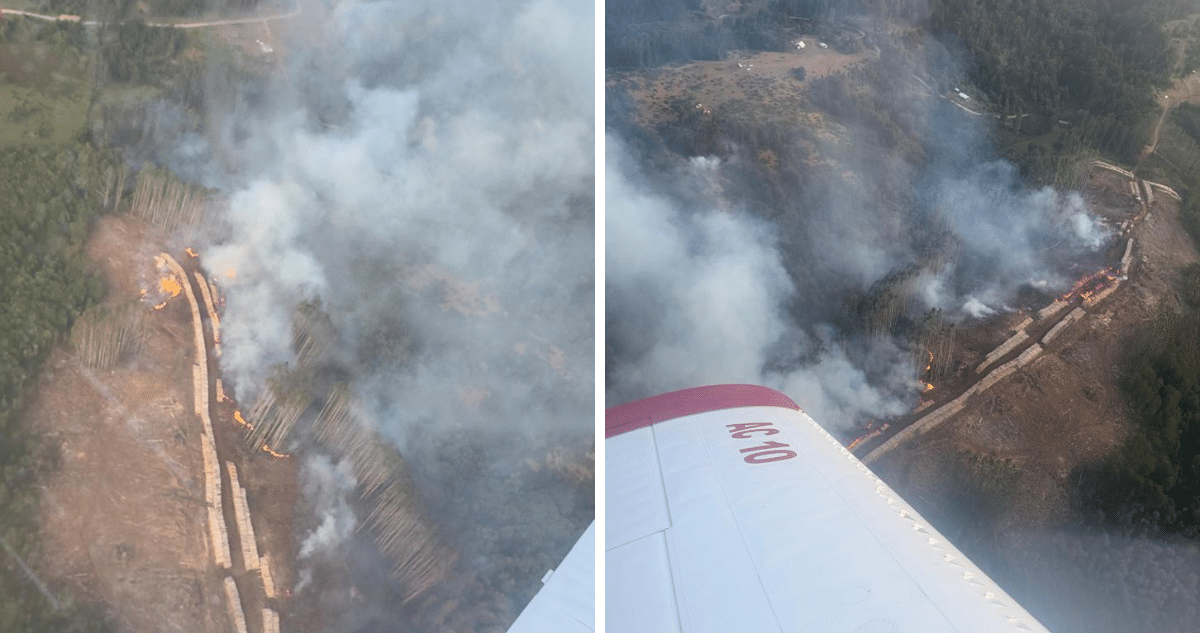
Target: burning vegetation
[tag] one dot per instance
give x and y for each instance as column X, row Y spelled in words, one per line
column 267, row 449
column 1092, row 284
column 170, row 285
column 419, row 557
column 874, row 430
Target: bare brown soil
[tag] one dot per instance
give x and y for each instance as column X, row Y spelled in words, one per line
column 123, row 518
column 1065, row 408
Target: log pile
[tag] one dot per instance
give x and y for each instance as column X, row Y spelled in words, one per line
column 216, row 294
column 198, row 405
column 102, row 337
column 1004, row 370
column 165, row 260
column 1102, row 295
column 1149, row 192
column 944, row 412
column 270, row 620
column 213, row 318
column 1165, row 189
column 216, row 512
column 1002, row 349
column 217, row 531
column 268, row 580
column 241, row 514
column 1075, row 315
column 234, row 602
column 1051, row 309
column 1123, row 172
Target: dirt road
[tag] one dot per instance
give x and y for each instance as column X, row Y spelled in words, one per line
column 1185, row 90
column 177, row 25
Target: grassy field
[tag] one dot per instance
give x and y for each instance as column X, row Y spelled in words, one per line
column 44, row 87
column 21, row 5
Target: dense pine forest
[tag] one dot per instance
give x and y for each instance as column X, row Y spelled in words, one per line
column 1152, row 485
column 47, row 203
column 61, row 117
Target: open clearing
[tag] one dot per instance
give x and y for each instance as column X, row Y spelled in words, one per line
column 123, row 517
column 759, row 81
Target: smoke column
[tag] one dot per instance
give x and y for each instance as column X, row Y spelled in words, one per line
column 717, row 271
column 701, row 297
column 424, row 169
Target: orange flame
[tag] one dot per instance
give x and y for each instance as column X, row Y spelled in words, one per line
column 237, row 417
column 869, row 435
column 267, row 449
column 1091, row 284
column 928, row 387
column 170, row 286
column 191, row 252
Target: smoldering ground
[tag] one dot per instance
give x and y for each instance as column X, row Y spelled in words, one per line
column 424, row 170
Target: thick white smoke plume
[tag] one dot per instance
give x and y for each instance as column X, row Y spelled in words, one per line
column 700, row 297
column 328, row 486
column 449, row 193
column 425, row 170
column 800, row 275
column 698, row 290
column 1008, row 234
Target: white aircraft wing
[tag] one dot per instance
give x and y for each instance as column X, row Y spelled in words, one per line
column 729, row 509
column 566, row 601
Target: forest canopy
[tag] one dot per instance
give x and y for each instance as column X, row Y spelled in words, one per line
column 47, row 203
column 1101, row 57
column 1152, row 484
